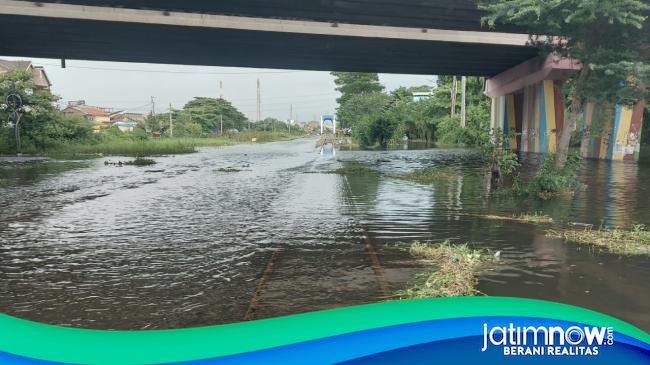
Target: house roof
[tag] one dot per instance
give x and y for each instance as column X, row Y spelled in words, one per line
column 38, row 72
column 40, row 77
column 7, row 66
column 88, row 110
column 128, row 116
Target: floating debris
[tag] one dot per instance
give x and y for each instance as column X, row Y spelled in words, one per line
column 141, row 162
column 454, row 270
column 523, row 218
column 228, row 169
column 635, row 241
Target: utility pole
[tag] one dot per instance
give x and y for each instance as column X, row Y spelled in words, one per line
column 221, row 122
column 454, row 93
column 463, row 107
column 220, row 89
column 259, row 108
column 153, row 106
column 171, row 122
column 290, row 116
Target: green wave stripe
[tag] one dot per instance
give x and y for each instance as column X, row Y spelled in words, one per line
column 86, row 346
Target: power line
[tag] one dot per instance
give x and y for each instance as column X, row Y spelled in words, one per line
column 292, row 97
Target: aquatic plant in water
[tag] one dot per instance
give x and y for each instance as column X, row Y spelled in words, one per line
column 429, row 175
column 634, row 241
column 536, row 217
column 453, row 270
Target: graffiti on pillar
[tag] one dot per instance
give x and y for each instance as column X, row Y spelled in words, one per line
column 611, row 132
column 536, row 115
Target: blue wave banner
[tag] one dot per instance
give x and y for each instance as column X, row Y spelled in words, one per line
column 461, row 330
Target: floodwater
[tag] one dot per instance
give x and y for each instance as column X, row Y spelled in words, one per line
column 183, row 243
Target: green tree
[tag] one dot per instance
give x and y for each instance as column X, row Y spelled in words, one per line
column 42, row 125
column 207, row 112
column 605, row 36
column 360, row 112
column 350, row 84
column 272, row 124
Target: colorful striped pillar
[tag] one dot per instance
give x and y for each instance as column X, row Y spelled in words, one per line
column 612, row 132
column 534, row 113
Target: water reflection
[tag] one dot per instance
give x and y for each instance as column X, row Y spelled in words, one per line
column 328, row 149
column 186, row 244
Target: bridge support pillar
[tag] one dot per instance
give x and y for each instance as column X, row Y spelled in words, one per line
column 528, row 108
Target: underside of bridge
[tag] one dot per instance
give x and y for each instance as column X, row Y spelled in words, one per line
column 391, row 36
column 434, row 37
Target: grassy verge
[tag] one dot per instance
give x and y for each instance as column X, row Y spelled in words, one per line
column 453, row 272
column 524, row 218
column 164, row 146
column 635, row 241
column 429, row 175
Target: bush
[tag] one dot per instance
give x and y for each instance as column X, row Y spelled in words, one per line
column 549, row 180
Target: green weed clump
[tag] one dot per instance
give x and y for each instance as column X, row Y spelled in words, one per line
column 536, row 217
column 634, row 241
column 228, row 169
column 429, row 175
column 354, row 168
column 140, row 161
column 550, row 181
column 453, row 270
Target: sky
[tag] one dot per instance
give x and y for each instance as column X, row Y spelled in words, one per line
column 130, row 86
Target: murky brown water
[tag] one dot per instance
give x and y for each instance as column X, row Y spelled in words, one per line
column 182, row 244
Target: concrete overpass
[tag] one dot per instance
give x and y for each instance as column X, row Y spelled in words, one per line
column 391, row 36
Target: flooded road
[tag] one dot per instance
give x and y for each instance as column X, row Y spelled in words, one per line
column 190, row 241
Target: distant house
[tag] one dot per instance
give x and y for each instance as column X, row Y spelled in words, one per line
column 126, row 126
column 128, row 117
column 99, row 117
column 312, row 126
column 126, row 121
column 39, row 76
column 421, row 95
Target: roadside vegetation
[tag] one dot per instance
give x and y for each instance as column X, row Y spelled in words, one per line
column 452, row 270
column 378, row 118
column 44, row 130
column 634, row 241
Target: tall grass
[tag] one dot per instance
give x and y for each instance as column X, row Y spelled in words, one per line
column 165, row 146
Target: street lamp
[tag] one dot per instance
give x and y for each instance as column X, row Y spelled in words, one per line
column 14, row 105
